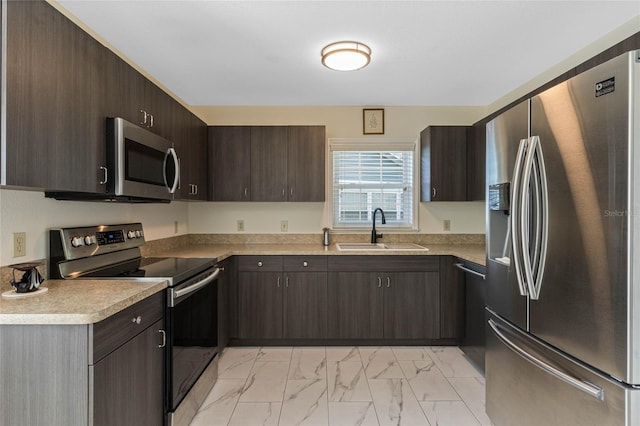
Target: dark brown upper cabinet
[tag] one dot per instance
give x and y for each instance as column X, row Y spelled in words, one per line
column 267, row 163
column 61, row 85
column 190, row 138
column 229, row 163
column 55, row 127
column 444, row 163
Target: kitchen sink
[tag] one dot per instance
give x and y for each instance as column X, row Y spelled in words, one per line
column 380, row 246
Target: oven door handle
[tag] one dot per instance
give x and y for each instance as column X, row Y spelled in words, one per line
column 177, row 294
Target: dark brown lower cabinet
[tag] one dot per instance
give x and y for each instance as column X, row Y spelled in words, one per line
column 411, row 305
column 260, row 305
column 355, row 306
column 127, row 386
column 305, row 305
column 384, row 305
column 107, row 373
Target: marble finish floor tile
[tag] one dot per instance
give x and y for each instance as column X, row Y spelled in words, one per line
column 255, row 413
column 352, row 414
column 343, row 353
column 380, row 363
column 274, row 354
column 236, row 363
column 220, row 403
column 287, row 386
column 308, row 363
column 266, row 382
column 451, row 361
column 449, row 413
column 427, row 381
column 347, row 381
column 411, row 353
column 305, row 403
column 395, row 403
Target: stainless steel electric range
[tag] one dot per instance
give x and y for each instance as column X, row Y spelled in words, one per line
column 113, row 252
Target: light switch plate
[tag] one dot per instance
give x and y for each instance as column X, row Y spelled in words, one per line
column 284, row 226
column 240, row 225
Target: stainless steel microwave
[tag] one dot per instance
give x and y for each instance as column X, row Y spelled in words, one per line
column 141, row 164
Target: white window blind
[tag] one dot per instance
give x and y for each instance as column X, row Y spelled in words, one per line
column 366, row 179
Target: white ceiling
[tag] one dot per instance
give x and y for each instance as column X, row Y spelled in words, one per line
column 423, row 52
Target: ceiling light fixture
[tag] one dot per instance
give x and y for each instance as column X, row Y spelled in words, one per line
column 346, row 56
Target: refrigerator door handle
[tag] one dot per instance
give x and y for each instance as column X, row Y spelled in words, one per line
column 589, row 388
column 544, row 206
column 516, row 196
column 534, row 267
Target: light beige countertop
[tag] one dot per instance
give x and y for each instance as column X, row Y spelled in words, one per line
column 471, row 252
column 77, row 301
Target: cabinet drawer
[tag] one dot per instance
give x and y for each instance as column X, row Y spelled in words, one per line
column 114, row 331
column 260, row 263
column 305, row 263
column 399, row 263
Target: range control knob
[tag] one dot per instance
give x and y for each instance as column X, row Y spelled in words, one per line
column 131, row 234
column 138, row 234
column 90, row 240
column 77, row 241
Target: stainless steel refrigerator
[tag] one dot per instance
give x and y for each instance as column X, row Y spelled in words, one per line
column 563, row 247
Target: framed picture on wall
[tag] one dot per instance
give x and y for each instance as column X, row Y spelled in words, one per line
column 373, row 121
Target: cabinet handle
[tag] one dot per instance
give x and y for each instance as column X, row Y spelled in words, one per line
column 278, row 284
column 433, row 193
column 105, row 176
column 379, row 282
column 164, row 339
column 388, row 282
column 245, row 192
column 284, row 193
column 260, row 264
column 286, row 281
column 291, row 192
column 305, row 263
column 137, row 320
column 151, row 123
column 196, row 187
column 144, row 117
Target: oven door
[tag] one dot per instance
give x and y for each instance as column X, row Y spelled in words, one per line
column 143, row 164
column 192, row 333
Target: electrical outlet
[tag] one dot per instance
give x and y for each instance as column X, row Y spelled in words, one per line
column 19, row 244
column 284, row 226
column 446, row 225
column 240, row 225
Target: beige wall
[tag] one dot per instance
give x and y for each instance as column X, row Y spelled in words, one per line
column 341, row 122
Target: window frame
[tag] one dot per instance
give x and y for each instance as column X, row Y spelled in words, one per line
column 379, row 144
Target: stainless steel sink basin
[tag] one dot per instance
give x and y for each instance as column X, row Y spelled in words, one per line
column 380, row 246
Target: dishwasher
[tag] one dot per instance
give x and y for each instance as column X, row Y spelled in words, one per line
column 473, row 342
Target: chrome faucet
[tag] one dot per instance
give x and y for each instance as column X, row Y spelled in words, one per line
column 374, row 236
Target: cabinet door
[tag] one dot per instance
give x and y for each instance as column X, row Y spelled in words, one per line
column 444, row 163
column 227, row 303
column 192, row 151
column 229, row 163
column 306, row 164
column 269, row 163
column 355, row 305
column 411, row 305
column 260, row 305
column 451, row 300
column 54, row 102
column 128, row 383
column 305, row 305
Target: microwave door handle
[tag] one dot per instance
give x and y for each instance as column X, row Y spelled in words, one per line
column 176, row 179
